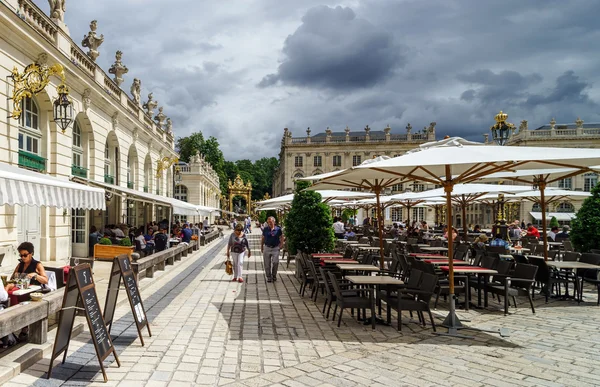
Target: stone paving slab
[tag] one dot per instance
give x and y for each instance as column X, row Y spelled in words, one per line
column 208, row 330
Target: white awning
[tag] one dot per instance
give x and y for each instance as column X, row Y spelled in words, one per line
column 560, row 216
column 23, row 187
column 179, row 207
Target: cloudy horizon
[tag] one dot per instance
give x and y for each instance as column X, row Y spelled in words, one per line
column 243, row 70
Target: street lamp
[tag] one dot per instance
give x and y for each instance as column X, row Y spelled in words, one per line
column 32, row 81
column 502, row 130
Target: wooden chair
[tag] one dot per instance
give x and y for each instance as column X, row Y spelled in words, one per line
column 416, row 300
column 343, row 301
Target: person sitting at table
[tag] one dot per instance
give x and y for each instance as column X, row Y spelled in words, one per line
column 564, row 234
column 34, row 270
column 349, row 234
column 186, row 234
column 117, row 232
column 477, row 228
column 454, row 233
column 149, row 237
column 499, row 242
column 480, row 241
column 424, row 226
column 394, row 231
column 160, row 240
column 144, row 247
column 552, row 233
column 532, row 231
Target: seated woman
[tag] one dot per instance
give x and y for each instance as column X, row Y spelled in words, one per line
column 480, row 242
column 32, row 269
column 149, row 237
column 145, row 248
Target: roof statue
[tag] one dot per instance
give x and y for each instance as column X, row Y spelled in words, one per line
column 160, row 117
column 150, row 105
column 136, row 89
column 92, row 41
column 118, row 68
column 57, row 9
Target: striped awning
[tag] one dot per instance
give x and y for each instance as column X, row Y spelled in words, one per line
column 560, row 216
column 24, row 187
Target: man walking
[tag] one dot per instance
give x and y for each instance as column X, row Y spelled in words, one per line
column 270, row 244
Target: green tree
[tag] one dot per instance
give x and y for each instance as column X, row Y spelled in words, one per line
column 554, row 222
column 308, row 225
column 189, row 146
column 348, row 213
column 585, row 229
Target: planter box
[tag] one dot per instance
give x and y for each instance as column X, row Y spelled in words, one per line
column 108, row 252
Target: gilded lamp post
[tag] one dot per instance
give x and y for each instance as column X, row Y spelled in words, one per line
column 501, row 133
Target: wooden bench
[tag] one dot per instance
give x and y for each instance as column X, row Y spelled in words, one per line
column 34, row 315
column 209, row 237
column 145, row 267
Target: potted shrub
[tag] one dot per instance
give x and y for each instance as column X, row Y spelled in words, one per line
column 105, row 250
column 585, row 228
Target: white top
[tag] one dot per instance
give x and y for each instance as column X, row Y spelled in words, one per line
column 3, row 294
column 338, row 227
column 142, row 241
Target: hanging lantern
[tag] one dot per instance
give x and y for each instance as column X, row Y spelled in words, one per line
column 63, row 108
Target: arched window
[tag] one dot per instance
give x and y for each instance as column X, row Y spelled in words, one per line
column 298, row 175
column 538, row 208
column 565, row 207
column 181, row 193
column 29, row 133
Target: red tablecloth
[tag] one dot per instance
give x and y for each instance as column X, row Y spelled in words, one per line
column 15, row 299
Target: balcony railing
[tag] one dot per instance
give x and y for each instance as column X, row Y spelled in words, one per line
column 78, row 171
column 130, row 184
column 32, row 161
column 109, row 179
column 146, row 188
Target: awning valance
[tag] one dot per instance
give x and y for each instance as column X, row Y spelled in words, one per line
column 24, row 187
column 560, row 216
column 179, row 207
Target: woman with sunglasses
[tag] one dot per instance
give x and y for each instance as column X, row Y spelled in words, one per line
column 29, row 266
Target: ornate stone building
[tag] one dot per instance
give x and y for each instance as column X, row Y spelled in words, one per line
column 199, row 184
column 112, row 141
column 332, row 151
column 569, row 135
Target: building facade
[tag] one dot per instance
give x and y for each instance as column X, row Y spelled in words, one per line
column 115, row 138
column 333, row 151
column 198, row 184
column 570, row 135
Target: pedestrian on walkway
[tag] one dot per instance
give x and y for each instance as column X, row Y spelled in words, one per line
column 270, row 244
column 236, row 248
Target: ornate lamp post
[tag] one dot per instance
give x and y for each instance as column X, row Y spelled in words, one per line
column 501, row 133
column 502, row 130
column 32, row 81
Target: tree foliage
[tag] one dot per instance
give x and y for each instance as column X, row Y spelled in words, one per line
column 308, row 225
column 585, row 229
column 554, row 222
column 259, row 173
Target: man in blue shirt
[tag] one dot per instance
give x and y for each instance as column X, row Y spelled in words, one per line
column 187, row 234
column 270, row 244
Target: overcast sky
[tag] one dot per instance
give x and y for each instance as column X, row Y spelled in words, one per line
column 242, row 70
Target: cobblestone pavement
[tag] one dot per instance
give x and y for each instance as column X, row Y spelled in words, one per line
column 210, row 331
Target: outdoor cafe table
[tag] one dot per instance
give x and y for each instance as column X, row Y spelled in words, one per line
column 368, row 248
column 479, row 271
column 326, row 255
column 371, row 281
column 356, row 267
column 572, row 265
column 442, row 261
column 521, row 250
column 551, row 243
column 347, row 241
column 17, row 295
column 335, row 261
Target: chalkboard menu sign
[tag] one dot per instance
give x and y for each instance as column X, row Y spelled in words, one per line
column 121, row 268
column 81, row 284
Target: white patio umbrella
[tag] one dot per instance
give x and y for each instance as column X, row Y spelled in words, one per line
column 354, row 178
column 541, row 177
column 464, row 195
column 457, row 161
column 327, row 195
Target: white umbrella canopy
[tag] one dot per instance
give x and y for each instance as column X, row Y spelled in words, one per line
column 327, row 195
column 452, row 162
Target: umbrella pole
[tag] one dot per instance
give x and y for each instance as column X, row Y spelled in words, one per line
column 380, row 227
column 451, row 322
column 463, row 205
column 542, row 187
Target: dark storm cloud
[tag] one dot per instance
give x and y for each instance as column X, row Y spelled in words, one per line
column 504, row 87
column 569, row 88
column 333, row 48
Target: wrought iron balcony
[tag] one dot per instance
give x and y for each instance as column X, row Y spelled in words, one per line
column 32, row 161
column 78, row 171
